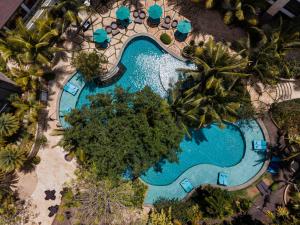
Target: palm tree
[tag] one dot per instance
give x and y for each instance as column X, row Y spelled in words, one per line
column 26, row 108
column 9, row 124
column 11, row 158
column 67, row 11
column 236, row 10
column 206, row 93
column 266, row 49
column 30, row 46
column 8, row 181
column 27, row 77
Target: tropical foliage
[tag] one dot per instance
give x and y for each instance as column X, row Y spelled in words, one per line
column 238, row 11
column 203, row 204
column 9, row 125
column 101, row 201
column 123, row 131
column 11, row 158
column 267, row 49
column 89, row 64
column 211, row 92
column 33, row 46
column 160, row 218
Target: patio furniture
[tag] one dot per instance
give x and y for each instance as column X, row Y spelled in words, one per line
column 167, row 22
column 142, row 14
column 123, row 13
column 174, row 24
column 184, row 27
column 86, row 25
column 263, row 188
column 53, row 210
column 186, row 185
column 223, row 179
column 135, row 13
column 260, row 145
column 108, row 29
column 71, row 88
column 138, row 20
column 114, row 25
column 50, row 195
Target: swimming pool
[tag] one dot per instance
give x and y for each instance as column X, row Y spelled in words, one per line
column 211, row 149
column 202, row 148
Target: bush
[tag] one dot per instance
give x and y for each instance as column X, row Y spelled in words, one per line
column 90, row 64
column 165, row 38
column 139, row 193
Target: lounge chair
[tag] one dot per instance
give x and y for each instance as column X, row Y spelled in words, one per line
column 138, row 20
column 166, row 23
column 174, row 24
column 71, row 88
column 186, row 185
column 263, row 188
column 259, row 145
column 86, row 25
column 223, row 179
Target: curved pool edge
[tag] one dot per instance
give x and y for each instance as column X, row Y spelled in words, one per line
column 110, row 75
column 195, row 165
column 174, row 191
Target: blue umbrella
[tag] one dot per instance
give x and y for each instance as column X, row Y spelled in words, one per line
column 184, row 26
column 155, row 11
column 100, row 36
column 123, row 13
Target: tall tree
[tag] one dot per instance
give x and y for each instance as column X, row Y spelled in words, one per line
column 34, row 46
column 124, row 131
column 90, row 64
column 208, row 94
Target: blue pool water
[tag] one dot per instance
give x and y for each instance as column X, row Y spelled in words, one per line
column 144, row 60
column 210, row 145
column 210, row 151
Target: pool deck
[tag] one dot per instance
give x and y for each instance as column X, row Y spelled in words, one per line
column 176, row 9
column 241, row 175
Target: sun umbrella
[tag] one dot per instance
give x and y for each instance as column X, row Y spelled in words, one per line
column 100, row 36
column 123, row 13
column 155, row 11
column 184, row 26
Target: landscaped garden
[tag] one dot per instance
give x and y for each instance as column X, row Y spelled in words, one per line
column 157, row 119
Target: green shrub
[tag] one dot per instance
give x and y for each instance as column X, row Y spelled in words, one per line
column 139, row 193
column 165, row 38
column 274, row 186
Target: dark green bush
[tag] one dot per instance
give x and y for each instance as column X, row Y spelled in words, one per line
column 165, row 38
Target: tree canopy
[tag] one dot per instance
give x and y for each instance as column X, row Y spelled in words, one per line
column 123, row 131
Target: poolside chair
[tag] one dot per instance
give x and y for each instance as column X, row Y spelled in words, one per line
column 263, row 188
column 71, row 88
column 174, row 24
column 223, row 179
column 186, row 185
column 138, row 20
column 166, row 23
column 260, row 145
